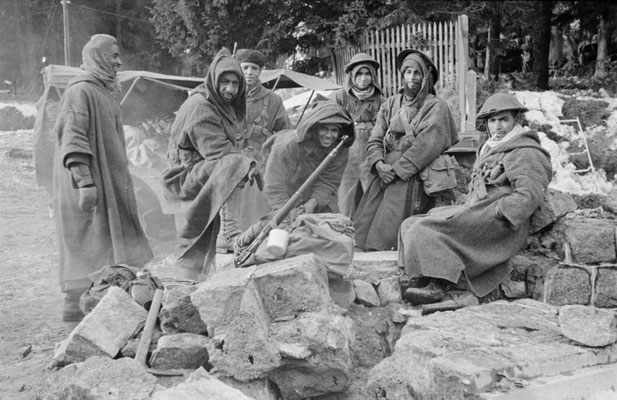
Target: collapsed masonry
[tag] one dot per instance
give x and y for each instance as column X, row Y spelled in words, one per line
column 288, row 330
column 285, row 330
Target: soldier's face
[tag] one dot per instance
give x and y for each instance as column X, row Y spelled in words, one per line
column 327, row 135
column 413, row 79
column 363, row 79
column 228, row 86
column 500, row 124
column 251, row 72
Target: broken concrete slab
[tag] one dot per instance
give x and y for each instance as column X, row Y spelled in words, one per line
column 465, row 353
column 389, row 291
column 201, row 385
column 365, row 293
column 104, row 331
column 606, row 287
column 180, row 351
column 99, row 378
column 556, row 205
column 589, row 326
column 593, row 383
column 328, row 369
column 568, row 284
column 291, row 286
column 178, row 314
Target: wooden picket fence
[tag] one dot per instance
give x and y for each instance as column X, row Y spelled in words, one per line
column 446, row 43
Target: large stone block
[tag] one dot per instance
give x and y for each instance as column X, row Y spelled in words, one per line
column 568, row 284
column 366, row 294
column 592, row 240
column 606, row 287
column 588, row 326
column 389, row 291
column 218, row 298
column 556, row 205
column 99, row 378
column 201, row 385
column 178, row 314
column 180, row 351
column 328, row 368
column 374, row 266
column 245, row 352
column 468, row 352
column 105, row 330
column 292, row 286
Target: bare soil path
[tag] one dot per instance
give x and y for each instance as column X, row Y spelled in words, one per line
column 30, row 297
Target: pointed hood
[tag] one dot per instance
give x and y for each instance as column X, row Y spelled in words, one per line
column 224, row 62
column 325, row 112
column 97, row 59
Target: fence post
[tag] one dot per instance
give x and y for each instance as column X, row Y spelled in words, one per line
column 470, row 96
column 462, row 64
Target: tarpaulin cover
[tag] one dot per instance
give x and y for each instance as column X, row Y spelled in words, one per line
column 292, row 79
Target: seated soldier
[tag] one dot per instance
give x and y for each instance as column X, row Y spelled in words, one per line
column 205, row 162
column 471, row 245
column 297, row 153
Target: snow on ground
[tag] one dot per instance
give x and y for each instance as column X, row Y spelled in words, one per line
column 545, row 108
column 27, row 109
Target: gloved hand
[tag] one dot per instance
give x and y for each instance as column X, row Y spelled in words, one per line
column 87, row 198
column 385, row 172
column 255, row 177
column 310, row 206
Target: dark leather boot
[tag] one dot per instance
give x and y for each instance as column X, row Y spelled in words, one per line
column 71, row 311
column 431, row 293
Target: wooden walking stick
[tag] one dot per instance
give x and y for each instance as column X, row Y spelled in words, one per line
column 146, row 335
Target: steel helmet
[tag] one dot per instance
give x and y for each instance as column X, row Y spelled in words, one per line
column 361, row 58
column 429, row 63
column 500, row 102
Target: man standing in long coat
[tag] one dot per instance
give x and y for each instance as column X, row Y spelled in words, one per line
column 95, row 208
column 205, row 160
column 471, row 245
column 361, row 97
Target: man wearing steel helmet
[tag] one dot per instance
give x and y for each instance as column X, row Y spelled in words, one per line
column 471, row 245
column 361, row 96
column 412, row 129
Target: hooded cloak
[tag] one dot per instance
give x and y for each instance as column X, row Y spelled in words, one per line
column 89, row 132
column 296, row 154
column 409, row 134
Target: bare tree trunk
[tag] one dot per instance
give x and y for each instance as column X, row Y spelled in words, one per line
column 542, row 30
column 555, row 57
column 494, row 42
column 602, row 48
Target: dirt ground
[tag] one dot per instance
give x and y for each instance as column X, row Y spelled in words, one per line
column 30, row 298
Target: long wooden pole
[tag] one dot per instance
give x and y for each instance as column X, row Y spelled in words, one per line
column 67, row 43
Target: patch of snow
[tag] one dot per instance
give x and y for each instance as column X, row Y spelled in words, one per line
column 27, row 109
column 545, row 108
